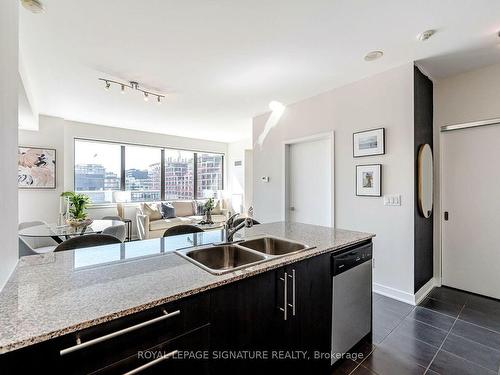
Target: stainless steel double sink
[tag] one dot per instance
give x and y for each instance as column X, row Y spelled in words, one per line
column 224, row 258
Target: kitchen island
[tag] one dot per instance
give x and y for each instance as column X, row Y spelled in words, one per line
column 57, row 301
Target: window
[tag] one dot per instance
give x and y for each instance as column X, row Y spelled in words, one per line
column 145, row 173
column 209, row 174
column 97, row 169
column 179, row 172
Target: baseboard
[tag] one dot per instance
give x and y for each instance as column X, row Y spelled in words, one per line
column 422, row 292
column 394, row 293
column 412, row 299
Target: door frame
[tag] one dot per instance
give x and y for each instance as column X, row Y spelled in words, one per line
column 286, row 171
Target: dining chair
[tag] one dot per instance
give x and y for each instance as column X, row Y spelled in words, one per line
column 182, row 229
column 117, row 231
column 88, row 240
column 34, row 245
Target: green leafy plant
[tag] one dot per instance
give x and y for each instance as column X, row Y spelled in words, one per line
column 78, row 204
column 209, row 205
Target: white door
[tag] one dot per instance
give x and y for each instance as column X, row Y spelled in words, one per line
column 471, row 196
column 310, row 192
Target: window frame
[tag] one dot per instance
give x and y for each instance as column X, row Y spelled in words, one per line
column 162, row 166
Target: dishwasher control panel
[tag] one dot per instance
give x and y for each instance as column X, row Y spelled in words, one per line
column 351, row 258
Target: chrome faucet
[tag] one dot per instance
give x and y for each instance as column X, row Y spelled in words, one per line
column 230, row 230
column 230, row 221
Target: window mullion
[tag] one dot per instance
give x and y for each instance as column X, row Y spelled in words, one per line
column 195, row 175
column 162, row 175
column 122, row 169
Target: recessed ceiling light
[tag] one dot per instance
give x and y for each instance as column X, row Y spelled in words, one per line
column 373, row 55
column 426, row 35
column 34, row 6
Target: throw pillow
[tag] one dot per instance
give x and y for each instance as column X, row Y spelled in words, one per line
column 167, row 210
column 152, row 211
column 218, row 208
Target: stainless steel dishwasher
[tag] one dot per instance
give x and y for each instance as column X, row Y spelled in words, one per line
column 351, row 299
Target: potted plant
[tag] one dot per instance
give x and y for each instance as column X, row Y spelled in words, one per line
column 208, row 207
column 78, row 203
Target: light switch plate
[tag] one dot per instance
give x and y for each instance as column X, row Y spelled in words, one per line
column 392, row 200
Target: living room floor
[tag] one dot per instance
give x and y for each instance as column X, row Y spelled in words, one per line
column 450, row 332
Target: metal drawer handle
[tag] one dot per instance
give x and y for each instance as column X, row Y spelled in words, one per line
column 152, row 363
column 285, row 298
column 292, row 305
column 97, row 340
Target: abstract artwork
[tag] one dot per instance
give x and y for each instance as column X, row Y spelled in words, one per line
column 36, row 168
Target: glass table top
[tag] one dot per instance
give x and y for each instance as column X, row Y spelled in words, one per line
column 51, row 230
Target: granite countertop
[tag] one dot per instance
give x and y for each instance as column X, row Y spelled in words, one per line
column 53, row 294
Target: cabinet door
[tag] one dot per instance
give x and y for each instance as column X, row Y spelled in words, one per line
column 310, row 312
column 246, row 321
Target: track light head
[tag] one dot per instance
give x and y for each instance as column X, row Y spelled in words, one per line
column 123, row 89
column 108, row 85
column 146, row 97
column 158, row 99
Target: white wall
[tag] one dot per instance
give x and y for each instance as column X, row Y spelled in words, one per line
column 237, row 174
column 465, row 97
column 9, row 52
column 248, row 178
column 383, row 100
column 44, row 204
column 60, row 134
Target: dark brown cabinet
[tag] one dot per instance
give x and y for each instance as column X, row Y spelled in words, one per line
column 283, row 316
column 246, row 324
column 309, row 318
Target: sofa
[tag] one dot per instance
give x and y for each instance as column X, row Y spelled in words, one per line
column 151, row 225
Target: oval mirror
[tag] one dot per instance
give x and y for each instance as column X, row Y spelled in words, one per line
column 425, row 180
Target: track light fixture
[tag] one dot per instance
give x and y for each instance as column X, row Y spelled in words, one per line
column 133, row 86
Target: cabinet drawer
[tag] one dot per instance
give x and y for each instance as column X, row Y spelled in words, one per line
column 185, row 354
column 113, row 341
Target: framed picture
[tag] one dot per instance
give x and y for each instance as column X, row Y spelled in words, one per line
column 368, row 143
column 369, row 180
column 36, row 168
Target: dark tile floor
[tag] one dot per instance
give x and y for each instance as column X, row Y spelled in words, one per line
column 450, row 332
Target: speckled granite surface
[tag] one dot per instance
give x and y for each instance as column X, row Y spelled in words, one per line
column 54, row 294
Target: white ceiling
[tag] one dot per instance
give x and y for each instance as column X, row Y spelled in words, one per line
column 220, row 62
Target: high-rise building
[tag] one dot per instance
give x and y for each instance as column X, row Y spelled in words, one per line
column 209, row 167
column 179, row 178
column 89, row 177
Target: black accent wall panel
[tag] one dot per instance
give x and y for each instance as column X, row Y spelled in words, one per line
column 423, row 133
